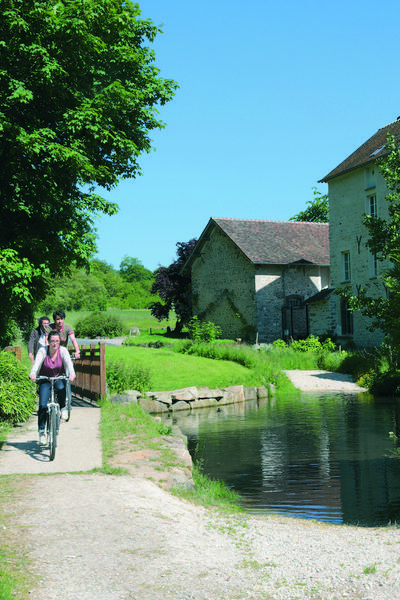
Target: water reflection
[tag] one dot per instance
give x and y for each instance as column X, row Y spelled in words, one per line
column 317, row 456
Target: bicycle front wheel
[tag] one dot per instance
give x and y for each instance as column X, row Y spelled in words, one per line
column 68, row 398
column 52, row 434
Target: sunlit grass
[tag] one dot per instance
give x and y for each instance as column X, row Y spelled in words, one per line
column 170, row 371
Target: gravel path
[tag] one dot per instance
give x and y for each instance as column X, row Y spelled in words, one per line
column 96, row 537
column 323, row 381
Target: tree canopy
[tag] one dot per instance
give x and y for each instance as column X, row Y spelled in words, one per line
column 79, row 97
column 317, row 210
column 174, row 288
column 98, row 288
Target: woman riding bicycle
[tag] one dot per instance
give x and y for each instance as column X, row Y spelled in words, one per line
column 51, row 361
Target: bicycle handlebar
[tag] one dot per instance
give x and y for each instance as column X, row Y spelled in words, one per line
column 46, row 378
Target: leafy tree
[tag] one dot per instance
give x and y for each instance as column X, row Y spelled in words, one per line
column 174, row 288
column 384, row 242
column 317, row 210
column 77, row 290
column 131, row 269
column 79, row 94
column 117, row 289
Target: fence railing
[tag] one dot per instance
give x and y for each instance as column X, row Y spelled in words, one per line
column 90, row 371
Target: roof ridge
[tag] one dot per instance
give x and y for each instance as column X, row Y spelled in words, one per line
column 268, row 221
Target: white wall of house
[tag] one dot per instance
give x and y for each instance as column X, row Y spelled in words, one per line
column 350, row 197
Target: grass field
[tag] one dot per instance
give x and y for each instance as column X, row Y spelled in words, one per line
column 140, row 318
column 171, row 371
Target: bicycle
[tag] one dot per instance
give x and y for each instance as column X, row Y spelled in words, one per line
column 54, row 411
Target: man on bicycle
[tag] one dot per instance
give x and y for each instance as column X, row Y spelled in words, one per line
column 65, row 330
column 51, row 361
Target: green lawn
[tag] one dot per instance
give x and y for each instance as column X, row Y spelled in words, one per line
column 140, row 318
column 170, row 371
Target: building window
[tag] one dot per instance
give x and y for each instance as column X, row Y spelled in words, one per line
column 345, row 265
column 373, row 266
column 371, row 206
column 294, row 301
column 346, row 317
column 370, row 178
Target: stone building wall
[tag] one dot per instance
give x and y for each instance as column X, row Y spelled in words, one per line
column 348, row 202
column 321, row 317
column 274, row 285
column 223, row 288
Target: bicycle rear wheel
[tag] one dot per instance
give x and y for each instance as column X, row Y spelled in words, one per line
column 52, row 432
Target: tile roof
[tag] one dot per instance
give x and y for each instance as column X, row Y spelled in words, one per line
column 276, row 242
column 372, row 149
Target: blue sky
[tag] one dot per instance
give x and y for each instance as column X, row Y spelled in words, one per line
column 272, row 97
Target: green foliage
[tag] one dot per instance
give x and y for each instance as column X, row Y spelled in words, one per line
column 121, row 377
column 17, row 391
column 97, row 289
column 279, row 344
column 203, row 332
column 313, row 343
column 79, row 99
column 99, row 324
column 131, row 269
column 317, row 210
column 211, row 492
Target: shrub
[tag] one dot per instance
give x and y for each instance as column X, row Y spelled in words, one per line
column 17, row 391
column 99, row 324
column 120, row 377
column 279, row 344
column 203, row 332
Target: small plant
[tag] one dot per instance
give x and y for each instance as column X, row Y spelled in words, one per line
column 17, row 391
column 279, row 344
column 370, row 570
column 120, row 377
column 203, row 332
column 99, row 324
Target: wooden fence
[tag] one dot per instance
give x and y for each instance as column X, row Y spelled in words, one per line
column 15, row 349
column 90, row 369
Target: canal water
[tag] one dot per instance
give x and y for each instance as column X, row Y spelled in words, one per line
column 323, row 456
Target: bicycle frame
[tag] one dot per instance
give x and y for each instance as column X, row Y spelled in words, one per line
column 54, row 411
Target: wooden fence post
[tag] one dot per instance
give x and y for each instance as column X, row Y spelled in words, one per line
column 16, row 350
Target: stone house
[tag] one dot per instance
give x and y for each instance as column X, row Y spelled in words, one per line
column 356, row 187
column 251, row 277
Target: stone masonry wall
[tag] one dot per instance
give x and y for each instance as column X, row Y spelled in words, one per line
column 275, row 283
column 192, row 398
column 348, row 202
column 223, row 288
column 321, row 318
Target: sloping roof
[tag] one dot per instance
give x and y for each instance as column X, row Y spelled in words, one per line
column 273, row 242
column 373, row 148
column 322, row 295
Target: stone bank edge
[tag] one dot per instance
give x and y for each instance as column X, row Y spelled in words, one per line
column 191, row 398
